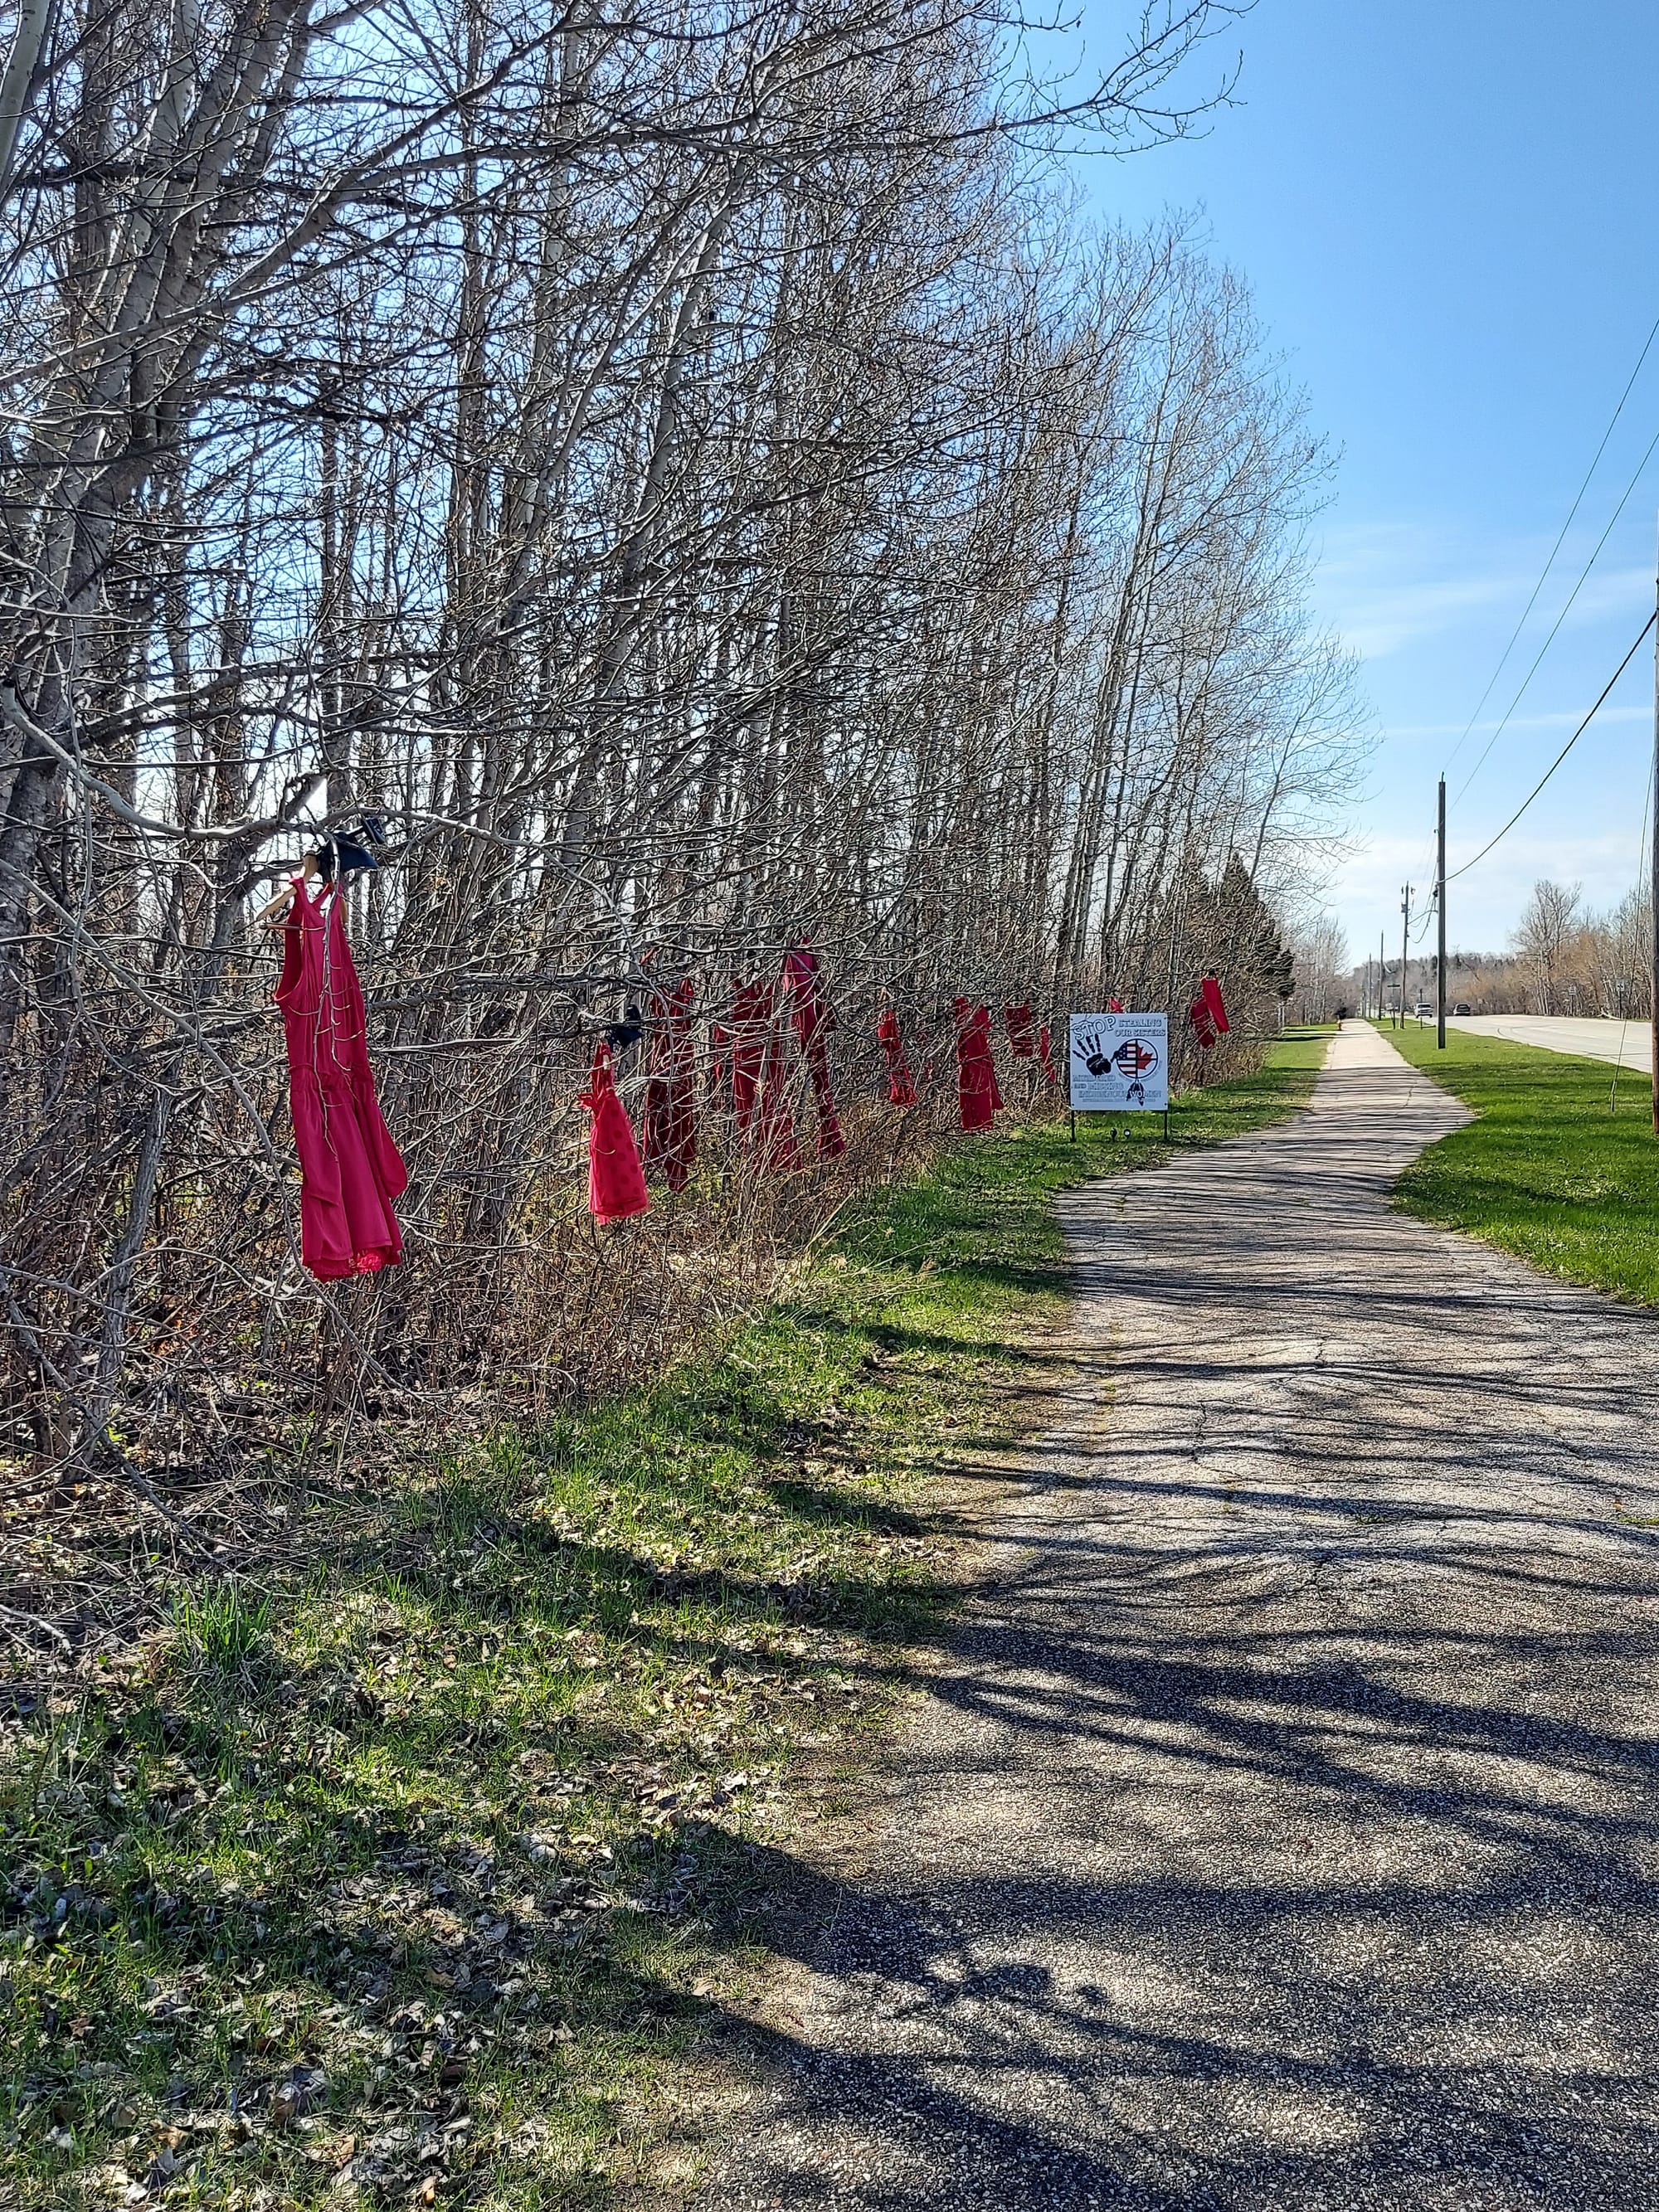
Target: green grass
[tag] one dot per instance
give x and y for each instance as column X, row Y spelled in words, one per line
column 411, row 1874
column 223, row 1624
column 1548, row 1171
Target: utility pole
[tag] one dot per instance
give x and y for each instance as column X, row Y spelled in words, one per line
column 1653, row 883
column 1381, row 975
column 1405, row 945
column 1440, row 908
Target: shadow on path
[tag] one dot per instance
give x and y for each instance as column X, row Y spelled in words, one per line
column 1282, row 1829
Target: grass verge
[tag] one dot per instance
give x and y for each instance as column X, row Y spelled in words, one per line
column 1549, row 1171
column 401, row 1881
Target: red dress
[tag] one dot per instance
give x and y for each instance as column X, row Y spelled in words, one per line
column 670, row 1100
column 977, row 1093
column 616, row 1181
column 350, row 1170
column 750, row 1008
column 901, row 1091
column 813, row 1022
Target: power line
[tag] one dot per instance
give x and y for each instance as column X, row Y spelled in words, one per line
column 1543, row 573
column 1583, row 577
column 1561, row 756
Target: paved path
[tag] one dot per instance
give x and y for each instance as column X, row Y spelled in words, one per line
column 1282, row 1830
column 1626, row 1044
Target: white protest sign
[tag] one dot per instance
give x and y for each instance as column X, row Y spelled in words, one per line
column 1120, row 1063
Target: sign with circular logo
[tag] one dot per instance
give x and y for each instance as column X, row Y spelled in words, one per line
column 1119, row 1063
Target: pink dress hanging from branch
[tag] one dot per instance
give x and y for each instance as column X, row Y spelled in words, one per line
column 350, row 1170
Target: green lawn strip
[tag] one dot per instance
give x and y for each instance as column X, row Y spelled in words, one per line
column 400, row 1879
column 1549, row 1171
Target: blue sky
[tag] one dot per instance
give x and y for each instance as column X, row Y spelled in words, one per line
column 1448, row 211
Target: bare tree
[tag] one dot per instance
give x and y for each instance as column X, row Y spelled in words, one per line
column 1542, row 937
column 690, row 478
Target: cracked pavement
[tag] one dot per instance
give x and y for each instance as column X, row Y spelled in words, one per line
column 1280, row 1829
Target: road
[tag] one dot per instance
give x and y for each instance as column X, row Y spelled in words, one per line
column 1281, row 1830
column 1627, row 1044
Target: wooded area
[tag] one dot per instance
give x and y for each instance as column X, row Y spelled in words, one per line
column 1563, row 957
column 692, row 474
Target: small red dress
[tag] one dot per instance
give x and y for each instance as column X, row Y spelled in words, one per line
column 901, row 1091
column 616, row 1181
column 670, row 1095
column 978, row 1095
column 350, row 1171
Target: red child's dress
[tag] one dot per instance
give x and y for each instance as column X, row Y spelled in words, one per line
column 977, row 1090
column 350, row 1170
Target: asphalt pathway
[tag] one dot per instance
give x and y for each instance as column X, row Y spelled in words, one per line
column 1281, row 1832
column 1626, row 1044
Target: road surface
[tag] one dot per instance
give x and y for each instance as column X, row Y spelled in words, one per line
column 1627, row 1044
column 1282, row 1830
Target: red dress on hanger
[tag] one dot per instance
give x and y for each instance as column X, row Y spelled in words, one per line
column 350, row 1169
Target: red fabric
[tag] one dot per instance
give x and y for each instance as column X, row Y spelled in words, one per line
column 1203, row 1027
column 901, row 1091
column 777, row 1148
column 1045, row 1054
column 982, row 1028
column 350, row 1171
column 1020, row 1041
column 813, row 1021
column 977, row 1095
column 671, row 1111
column 808, row 1012
column 1213, row 1001
column 616, row 1181
column 1114, row 1004
column 751, row 1009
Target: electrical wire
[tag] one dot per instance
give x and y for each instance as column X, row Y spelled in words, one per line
column 1543, row 573
column 1583, row 577
column 1640, row 636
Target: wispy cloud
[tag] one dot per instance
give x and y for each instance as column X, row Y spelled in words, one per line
column 1567, row 719
column 1390, row 585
